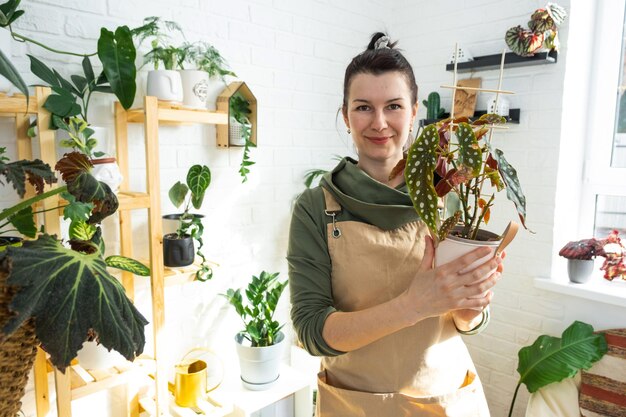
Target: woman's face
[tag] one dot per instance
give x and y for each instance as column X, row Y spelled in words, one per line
column 380, row 114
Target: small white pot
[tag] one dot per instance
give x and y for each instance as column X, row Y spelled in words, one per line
column 195, row 87
column 235, row 132
column 107, row 171
column 454, row 247
column 95, row 356
column 260, row 366
column 502, row 108
column 165, row 85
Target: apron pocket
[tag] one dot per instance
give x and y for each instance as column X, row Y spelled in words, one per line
column 467, row 401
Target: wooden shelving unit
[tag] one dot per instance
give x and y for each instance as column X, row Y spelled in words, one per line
column 152, row 115
column 489, row 62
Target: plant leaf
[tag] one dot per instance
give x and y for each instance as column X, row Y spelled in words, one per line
column 80, row 230
column 80, row 82
column 24, row 222
column 514, row 191
column 42, row 71
column 36, row 172
column 70, row 293
column 198, row 180
column 470, row 154
column 11, row 73
column 550, row 359
column 117, row 53
column 128, row 264
column 88, row 70
column 421, row 162
column 177, row 193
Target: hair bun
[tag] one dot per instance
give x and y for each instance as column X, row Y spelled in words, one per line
column 380, row 40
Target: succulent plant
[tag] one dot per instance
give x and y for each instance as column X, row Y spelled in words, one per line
column 433, row 109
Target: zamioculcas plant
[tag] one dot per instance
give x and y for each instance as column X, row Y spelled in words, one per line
column 257, row 314
column 466, row 169
column 551, row 359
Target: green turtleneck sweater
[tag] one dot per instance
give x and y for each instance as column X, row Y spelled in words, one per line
column 363, row 199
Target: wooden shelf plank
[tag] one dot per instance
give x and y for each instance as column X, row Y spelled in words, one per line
column 177, row 114
column 488, row 62
column 130, row 200
column 16, row 104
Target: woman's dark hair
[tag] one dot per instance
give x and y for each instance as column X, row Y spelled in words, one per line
column 379, row 61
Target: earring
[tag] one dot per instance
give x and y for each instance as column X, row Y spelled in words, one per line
column 411, row 129
column 349, row 131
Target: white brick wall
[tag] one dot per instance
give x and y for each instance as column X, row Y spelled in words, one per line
column 293, row 55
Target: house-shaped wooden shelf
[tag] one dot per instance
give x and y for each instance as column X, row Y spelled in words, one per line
column 223, row 105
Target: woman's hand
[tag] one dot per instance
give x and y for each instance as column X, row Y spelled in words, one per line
column 437, row 291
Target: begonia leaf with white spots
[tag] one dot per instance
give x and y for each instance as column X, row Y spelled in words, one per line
column 418, row 173
column 470, row 154
column 513, row 188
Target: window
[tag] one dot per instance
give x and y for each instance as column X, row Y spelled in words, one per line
column 604, row 184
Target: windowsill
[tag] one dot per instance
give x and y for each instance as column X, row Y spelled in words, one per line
column 598, row 289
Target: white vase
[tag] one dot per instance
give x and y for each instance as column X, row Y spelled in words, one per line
column 95, row 356
column 195, row 86
column 502, row 107
column 260, row 366
column 165, row 85
column 107, row 171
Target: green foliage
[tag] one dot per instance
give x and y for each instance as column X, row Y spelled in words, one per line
column 239, row 110
column 16, row 173
column 80, row 136
column 8, row 14
column 70, row 294
column 464, row 166
column 159, row 33
column 127, row 264
column 117, row 54
column 551, row 359
column 207, row 58
column 262, row 293
column 542, row 31
column 197, row 182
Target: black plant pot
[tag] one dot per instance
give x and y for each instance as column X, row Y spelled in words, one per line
column 6, row 241
column 177, row 252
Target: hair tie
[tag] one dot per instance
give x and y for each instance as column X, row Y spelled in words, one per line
column 382, row 43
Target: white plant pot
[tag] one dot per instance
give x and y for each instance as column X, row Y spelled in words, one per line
column 195, row 85
column 260, row 366
column 235, row 132
column 107, row 171
column 5, row 46
column 165, row 85
column 454, row 247
column 95, row 356
column 501, row 109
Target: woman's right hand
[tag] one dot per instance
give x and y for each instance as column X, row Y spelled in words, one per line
column 437, row 291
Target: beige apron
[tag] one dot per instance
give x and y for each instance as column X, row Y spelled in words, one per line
column 422, row 370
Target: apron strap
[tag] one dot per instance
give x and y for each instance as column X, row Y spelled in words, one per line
column 332, row 210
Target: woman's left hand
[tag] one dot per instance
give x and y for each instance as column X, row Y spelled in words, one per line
column 467, row 319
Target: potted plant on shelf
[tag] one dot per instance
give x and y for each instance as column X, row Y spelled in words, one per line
column 456, row 160
column 60, row 294
column 542, row 33
column 581, row 253
column 240, row 131
column 208, row 60
column 165, row 84
column 178, row 247
column 259, row 345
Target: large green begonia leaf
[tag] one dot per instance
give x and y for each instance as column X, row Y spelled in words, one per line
column 418, row 173
column 117, row 54
column 70, row 294
column 514, row 191
column 470, row 154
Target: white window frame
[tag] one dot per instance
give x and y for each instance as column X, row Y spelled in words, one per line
column 599, row 178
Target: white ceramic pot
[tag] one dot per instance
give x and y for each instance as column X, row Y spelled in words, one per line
column 165, row 85
column 260, row 366
column 107, row 171
column 95, row 356
column 501, row 109
column 235, row 132
column 454, row 247
column 195, row 85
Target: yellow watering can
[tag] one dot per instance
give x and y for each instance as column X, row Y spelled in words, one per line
column 192, row 380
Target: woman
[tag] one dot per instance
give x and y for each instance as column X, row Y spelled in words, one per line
column 364, row 293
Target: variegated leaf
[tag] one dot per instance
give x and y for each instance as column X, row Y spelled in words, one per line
column 513, row 188
column 418, row 173
column 448, row 224
column 470, row 154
